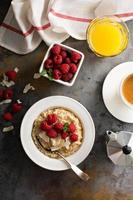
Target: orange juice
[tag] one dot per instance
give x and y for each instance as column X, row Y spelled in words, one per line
column 107, row 36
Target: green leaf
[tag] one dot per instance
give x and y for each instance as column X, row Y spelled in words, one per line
column 50, row 74
column 43, row 72
column 50, row 78
column 65, row 128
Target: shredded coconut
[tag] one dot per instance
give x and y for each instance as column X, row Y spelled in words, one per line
column 5, row 82
column 54, row 148
column 18, row 101
column 36, row 76
column 67, row 143
column 16, row 69
column 7, row 129
column 5, row 101
column 27, row 88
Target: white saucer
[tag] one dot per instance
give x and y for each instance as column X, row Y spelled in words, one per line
column 26, row 128
column 110, row 92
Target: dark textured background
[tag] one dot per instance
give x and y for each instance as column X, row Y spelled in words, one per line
column 20, row 178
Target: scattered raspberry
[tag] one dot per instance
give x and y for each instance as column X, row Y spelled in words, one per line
column 58, row 126
column 57, row 74
column 16, row 107
column 64, row 135
column 63, row 54
column 64, row 68
column 73, row 68
column 8, row 116
column 72, row 127
column 8, row 93
column 67, row 77
column 1, row 93
column 52, row 133
column 48, row 64
column 56, row 49
column 52, row 118
column 45, row 126
column 57, row 59
column 67, row 60
column 75, row 57
column 74, row 137
column 11, row 75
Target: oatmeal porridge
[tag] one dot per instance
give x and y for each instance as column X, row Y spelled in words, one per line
column 57, row 129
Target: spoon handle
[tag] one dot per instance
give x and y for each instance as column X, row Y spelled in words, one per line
column 76, row 169
column 82, row 175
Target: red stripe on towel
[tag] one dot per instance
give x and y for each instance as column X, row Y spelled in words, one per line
column 60, row 15
column 69, row 17
column 11, row 28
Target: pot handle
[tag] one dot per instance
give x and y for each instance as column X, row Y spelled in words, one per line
column 111, row 135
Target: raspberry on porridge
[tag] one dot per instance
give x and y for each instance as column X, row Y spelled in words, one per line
column 57, row 129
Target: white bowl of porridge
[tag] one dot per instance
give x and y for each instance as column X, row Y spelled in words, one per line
column 57, row 124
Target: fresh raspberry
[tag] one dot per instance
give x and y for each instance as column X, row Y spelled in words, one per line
column 56, row 49
column 64, row 135
column 11, row 75
column 48, row 64
column 73, row 68
column 8, row 116
column 45, row 126
column 16, row 107
column 52, row 133
column 1, row 93
column 52, row 118
column 8, row 93
column 67, row 60
column 67, row 77
column 63, row 54
column 57, row 74
column 72, row 127
column 64, row 68
column 57, row 59
column 58, row 126
column 63, row 48
column 57, row 66
column 75, row 57
column 73, row 137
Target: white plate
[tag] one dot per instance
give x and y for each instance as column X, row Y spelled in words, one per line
column 26, row 127
column 111, row 96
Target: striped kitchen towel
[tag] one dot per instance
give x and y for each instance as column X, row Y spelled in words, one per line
column 28, row 22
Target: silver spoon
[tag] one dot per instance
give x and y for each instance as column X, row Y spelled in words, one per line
column 77, row 171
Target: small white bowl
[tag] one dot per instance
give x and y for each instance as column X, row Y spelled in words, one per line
column 68, row 49
column 121, row 91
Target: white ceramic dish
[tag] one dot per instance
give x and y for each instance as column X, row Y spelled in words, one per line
column 111, row 92
column 79, row 65
column 26, row 127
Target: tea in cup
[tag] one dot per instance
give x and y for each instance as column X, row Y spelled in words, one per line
column 126, row 90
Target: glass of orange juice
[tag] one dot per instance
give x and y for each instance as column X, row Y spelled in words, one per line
column 107, row 36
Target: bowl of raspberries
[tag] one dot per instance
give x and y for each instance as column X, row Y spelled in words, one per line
column 61, row 64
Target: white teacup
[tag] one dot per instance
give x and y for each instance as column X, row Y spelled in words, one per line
column 123, row 98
